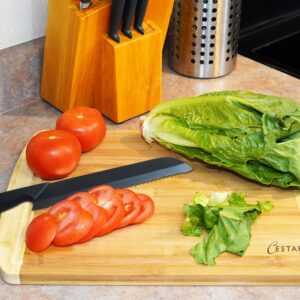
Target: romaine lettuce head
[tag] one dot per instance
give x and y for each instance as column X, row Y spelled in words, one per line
column 254, row 135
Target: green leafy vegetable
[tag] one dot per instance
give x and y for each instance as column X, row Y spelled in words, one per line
column 254, row 135
column 227, row 220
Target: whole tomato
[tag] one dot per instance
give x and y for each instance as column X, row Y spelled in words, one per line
column 53, row 154
column 86, row 123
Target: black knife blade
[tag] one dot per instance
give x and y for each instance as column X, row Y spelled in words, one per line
column 46, row 194
column 115, row 18
column 140, row 15
column 128, row 16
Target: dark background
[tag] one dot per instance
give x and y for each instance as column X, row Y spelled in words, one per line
column 270, row 33
column 255, row 12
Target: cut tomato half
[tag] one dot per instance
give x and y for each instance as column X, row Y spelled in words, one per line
column 147, row 209
column 41, row 232
column 132, row 205
column 73, row 222
column 87, row 202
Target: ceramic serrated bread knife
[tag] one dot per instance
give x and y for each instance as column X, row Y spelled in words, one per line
column 128, row 17
column 117, row 9
column 140, row 15
column 46, row 194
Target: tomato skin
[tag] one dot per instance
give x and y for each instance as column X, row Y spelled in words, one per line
column 86, row 123
column 41, row 232
column 132, row 206
column 147, row 211
column 73, row 222
column 99, row 215
column 53, row 154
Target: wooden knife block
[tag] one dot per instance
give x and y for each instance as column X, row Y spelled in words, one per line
column 82, row 66
column 130, row 75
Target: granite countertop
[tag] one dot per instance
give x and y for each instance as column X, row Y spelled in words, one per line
column 23, row 113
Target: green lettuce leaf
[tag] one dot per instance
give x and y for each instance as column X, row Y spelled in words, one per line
column 228, row 224
column 254, row 135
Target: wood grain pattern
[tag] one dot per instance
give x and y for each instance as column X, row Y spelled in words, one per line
column 133, row 75
column 156, row 252
column 72, row 55
column 160, row 12
column 13, row 224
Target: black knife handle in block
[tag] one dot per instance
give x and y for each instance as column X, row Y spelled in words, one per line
column 85, row 1
column 128, row 16
column 84, row 4
column 140, row 15
column 115, row 18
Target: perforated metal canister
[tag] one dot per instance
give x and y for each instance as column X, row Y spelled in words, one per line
column 204, row 37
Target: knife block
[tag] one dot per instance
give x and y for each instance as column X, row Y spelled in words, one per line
column 83, row 67
column 130, row 73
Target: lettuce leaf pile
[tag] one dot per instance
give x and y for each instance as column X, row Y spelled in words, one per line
column 228, row 220
column 254, row 135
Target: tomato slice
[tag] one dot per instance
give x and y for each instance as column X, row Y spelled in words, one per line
column 98, row 224
column 41, row 232
column 103, row 195
column 147, row 209
column 84, row 225
column 115, row 213
column 73, row 222
column 87, row 202
column 132, row 205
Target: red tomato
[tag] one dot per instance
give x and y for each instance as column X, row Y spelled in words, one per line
column 86, row 123
column 53, row 154
column 147, row 209
column 73, row 222
column 40, row 232
column 107, row 198
column 132, row 206
column 99, row 215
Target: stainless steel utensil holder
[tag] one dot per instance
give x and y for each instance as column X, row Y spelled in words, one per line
column 203, row 37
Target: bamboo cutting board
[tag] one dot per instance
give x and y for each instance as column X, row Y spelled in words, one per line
column 156, row 252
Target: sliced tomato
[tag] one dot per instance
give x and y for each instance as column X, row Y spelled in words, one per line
column 73, row 222
column 103, row 195
column 147, row 209
column 115, row 213
column 99, row 215
column 41, row 232
column 84, row 225
column 132, row 206
column 97, row 226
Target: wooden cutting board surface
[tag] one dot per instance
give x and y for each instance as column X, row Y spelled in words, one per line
column 156, row 252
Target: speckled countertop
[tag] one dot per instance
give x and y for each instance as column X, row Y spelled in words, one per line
column 22, row 113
